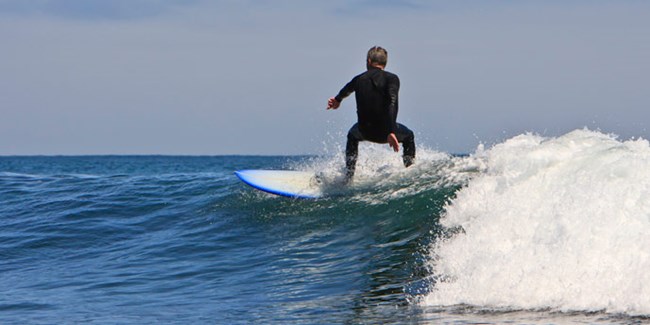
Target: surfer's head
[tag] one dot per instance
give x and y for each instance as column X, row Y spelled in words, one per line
column 377, row 57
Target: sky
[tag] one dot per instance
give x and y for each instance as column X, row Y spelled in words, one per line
column 252, row 77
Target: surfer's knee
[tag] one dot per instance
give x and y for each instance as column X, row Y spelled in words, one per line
column 404, row 134
column 410, row 136
column 355, row 134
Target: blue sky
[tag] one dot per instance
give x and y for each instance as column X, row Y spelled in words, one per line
column 253, row 77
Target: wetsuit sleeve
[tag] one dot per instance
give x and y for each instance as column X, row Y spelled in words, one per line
column 346, row 90
column 393, row 90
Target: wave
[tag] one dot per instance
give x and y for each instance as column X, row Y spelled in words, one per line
column 551, row 223
column 557, row 224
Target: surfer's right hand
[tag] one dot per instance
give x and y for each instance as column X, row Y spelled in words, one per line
column 393, row 142
column 332, row 103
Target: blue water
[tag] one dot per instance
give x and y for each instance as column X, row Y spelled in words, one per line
column 163, row 239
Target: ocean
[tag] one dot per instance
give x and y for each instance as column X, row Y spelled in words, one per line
column 533, row 230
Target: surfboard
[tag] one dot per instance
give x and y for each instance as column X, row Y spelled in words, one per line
column 289, row 183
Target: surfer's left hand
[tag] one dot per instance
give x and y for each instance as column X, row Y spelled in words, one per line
column 332, row 103
column 392, row 142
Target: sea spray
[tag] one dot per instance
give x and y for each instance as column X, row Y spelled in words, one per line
column 381, row 176
column 553, row 223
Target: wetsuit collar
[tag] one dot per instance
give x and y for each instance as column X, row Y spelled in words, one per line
column 371, row 66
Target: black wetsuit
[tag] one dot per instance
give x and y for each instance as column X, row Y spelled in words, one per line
column 376, row 92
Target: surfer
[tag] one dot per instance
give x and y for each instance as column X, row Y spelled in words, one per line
column 376, row 93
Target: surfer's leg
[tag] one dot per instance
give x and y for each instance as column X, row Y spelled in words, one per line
column 407, row 138
column 352, row 151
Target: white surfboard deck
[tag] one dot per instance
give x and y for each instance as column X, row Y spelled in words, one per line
column 289, row 183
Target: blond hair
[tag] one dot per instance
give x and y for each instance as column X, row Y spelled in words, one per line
column 378, row 55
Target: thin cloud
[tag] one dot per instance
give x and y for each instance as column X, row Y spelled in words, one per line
column 91, row 10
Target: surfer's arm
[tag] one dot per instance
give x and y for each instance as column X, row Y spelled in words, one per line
column 335, row 102
column 393, row 90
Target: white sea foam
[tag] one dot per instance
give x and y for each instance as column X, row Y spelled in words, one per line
column 560, row 223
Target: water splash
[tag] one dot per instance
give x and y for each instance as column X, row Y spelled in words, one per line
column 553, row 223
column 381, row 176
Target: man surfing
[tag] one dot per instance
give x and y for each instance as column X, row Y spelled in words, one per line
column 376, row 92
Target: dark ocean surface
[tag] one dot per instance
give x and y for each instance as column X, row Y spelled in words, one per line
column 165, row 239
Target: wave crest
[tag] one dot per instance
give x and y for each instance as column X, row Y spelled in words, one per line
column 560, row 223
